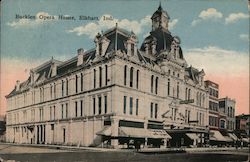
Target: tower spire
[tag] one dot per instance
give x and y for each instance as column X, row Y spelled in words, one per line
column 160, row 8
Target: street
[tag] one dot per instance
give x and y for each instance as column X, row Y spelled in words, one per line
column 37, row 154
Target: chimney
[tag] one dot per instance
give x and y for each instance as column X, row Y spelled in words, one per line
column 17, row 85
column 80, row 53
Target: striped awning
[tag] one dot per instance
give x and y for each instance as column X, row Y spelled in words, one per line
column 106, row 131
column 216, row 136
column 142, row 133
column 233, row 136
column 192, row 136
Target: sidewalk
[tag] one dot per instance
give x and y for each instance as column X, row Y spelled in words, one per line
column 42, row 148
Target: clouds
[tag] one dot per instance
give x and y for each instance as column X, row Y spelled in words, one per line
column 244, row 37
column 211, row 14
column 32, row 21
column 234, row 17
column 220, row 61
column 137, row 26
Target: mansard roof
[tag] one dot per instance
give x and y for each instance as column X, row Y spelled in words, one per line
column 193, row 73
column 162, row 38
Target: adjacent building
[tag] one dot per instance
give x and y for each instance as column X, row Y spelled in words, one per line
column 114, row 95
column 242, row 128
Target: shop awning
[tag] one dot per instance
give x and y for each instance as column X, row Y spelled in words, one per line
column 216, row 136
column 106, row 131
column 159, row 133
column 233, row 136
column 192, row 136
column 142, row 133
column 228, row 139
column 132, row 132
column 246, row 140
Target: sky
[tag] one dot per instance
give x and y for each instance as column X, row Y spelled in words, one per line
column 214, row 36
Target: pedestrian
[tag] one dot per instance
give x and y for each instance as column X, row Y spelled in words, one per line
column 241, row 144
column 137, row 145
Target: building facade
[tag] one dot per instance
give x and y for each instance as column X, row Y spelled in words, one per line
column 242, row 128
column 227, row 112
column 114, row 95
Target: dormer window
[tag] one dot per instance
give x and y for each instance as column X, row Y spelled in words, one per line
column 132, row 49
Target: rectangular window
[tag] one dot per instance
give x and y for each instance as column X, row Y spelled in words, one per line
column 81, row 108
column 67, row 87
column 54, row 90
column 156, row 110
column 151, row 110
column 62, row 88
column 99, row 104
column 105, row 104
column 152, row 83
column 156, row 85
column 106, row 74
column 100, row 76
column 81, row 82
column 76, row 109
column 50, row 112
column 137, row 106
column 137, row 79
column 54, row 117
column 76, row 84
column 131, row 106
column 125, row 75
column 94, row 78
column 168, row 86
column 51, row 89
column 94, row 106
column 62, row 111
column 66, row 110
column 124, row 104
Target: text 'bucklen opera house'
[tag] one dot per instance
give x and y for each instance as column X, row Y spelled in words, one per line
column 113, row 95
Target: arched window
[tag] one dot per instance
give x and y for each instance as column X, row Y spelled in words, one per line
column 100, row 76
column 81, row 82
column 131, row 76
column 54, row 90
column 156, row 85
column 189, row 94
column 67, row 87
column 168, row 86
column 137, row 78
column 94, row 78
column 106, row 74
column 152, row 83
column 62, row 88
column 51, row 91
column 76, row 83
column 178, row 89
column 186, row 93
column 125, row 75
column 132, row 49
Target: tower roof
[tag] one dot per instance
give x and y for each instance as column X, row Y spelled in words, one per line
column 160, row 12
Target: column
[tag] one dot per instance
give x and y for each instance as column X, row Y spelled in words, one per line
column 114, row 132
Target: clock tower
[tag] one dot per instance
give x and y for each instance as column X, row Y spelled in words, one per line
column 160, row 19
